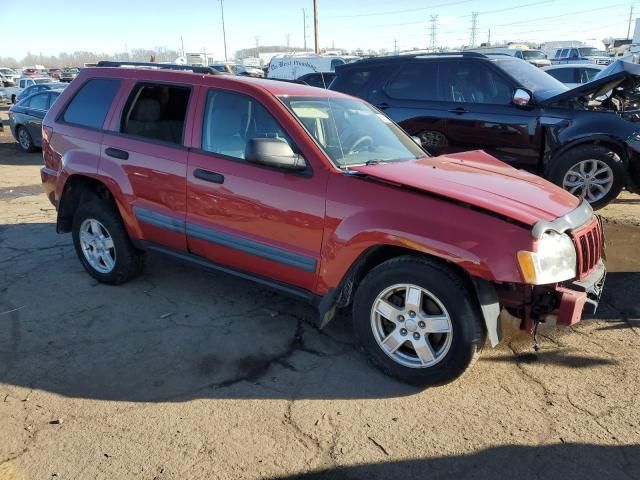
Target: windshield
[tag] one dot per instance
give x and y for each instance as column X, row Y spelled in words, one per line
column 351, row 132
column 539, row 83
column 589, row 52
column 533, row 54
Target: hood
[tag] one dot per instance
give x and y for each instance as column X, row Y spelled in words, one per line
column 481, row 180
column 540, row 62
column 618, row 74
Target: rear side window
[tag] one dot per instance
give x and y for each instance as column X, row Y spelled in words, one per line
column 354, row 81
column 414, row 81
column 157, row 112
column 89, row 106
column 40, row 101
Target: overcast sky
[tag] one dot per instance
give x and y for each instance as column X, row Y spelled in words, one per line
column 110, row 26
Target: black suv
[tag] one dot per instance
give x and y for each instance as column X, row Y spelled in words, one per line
column 583, row 139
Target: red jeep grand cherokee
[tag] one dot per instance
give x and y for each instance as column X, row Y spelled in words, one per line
column 321, row 196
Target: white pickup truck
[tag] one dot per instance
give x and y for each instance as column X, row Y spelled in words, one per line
column 22, row 83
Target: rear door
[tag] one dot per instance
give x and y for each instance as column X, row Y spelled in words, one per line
column 481, row 114
column 144, row 152
column 36, row 110
column 263, row 220
column 410, row 97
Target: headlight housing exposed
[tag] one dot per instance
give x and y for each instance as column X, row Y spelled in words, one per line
column 554, row 261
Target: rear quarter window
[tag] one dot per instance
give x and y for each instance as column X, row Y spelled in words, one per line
column 89, row 106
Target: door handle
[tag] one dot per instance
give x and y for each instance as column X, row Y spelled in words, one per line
column 383, row 106
column 458, row 110
column 208, row 176
column 117, row 153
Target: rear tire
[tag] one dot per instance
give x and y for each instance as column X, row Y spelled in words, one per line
column 103, row 245
column 25, row 142
column 591, row 172
column 431, row 344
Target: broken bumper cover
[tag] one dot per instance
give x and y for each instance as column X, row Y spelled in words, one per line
column 580, row 296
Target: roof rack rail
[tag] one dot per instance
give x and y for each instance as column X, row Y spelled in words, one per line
column 449, row 54
column 162, row 66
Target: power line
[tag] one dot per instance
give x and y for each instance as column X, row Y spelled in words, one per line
column 406, row 10
column 515, row 7
column 573, row 12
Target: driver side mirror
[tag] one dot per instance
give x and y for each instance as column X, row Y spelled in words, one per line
column 521, row 98
column 273, row 152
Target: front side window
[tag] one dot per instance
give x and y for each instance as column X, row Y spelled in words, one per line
column 587, row 74
column 414, row 81
column 474, row 82
column 89, row 106
column 564, row 75
column 351, row 132
column 231, row 120
column 157, row 112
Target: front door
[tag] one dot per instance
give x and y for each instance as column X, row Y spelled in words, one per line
column 481, row 115
column 258, row 219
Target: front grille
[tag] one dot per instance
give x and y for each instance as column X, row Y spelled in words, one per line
column 589, row 245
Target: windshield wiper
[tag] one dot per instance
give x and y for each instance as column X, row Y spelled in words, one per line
column 374, row 162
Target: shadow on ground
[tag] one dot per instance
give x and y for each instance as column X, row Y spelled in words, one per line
column 10, row 153
column 550, row 462
column 178, row 332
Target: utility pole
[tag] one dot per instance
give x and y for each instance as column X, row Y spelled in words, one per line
column 304, row 26
column 315, row 26
column 474, row 28
column 489, row 39
column 182, row 45
column 395, row 46
column 287, row 37
column 224, row 33
column 629, row 26
column 257, row 44
column 434, row 26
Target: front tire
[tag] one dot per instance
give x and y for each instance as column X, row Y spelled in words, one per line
column 102, row 244
column 418, row 320
column 590, row 172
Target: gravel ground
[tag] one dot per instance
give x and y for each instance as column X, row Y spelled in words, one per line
column 187, row 374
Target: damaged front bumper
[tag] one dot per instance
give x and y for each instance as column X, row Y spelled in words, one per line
column 562, row 304
column 580, row 297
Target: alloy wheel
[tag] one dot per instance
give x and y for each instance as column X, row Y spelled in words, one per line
column 23, row 138
column 411, row 326
column 97, row 246
column 589, row 179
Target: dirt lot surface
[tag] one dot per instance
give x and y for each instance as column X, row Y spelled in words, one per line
column 187, row 374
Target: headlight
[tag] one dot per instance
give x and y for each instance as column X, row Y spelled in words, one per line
column 554, row 261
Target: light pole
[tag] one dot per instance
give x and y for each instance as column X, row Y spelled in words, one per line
column 304, row 27
column 224, row 34
column 315, row 26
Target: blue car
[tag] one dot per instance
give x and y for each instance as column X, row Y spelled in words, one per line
column 25, row 118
